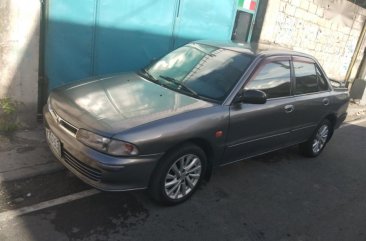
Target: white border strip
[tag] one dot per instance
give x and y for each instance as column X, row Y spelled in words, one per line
column 7, row 215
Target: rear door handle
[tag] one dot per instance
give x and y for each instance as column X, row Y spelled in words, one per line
column 289, row 108
column 325, row 101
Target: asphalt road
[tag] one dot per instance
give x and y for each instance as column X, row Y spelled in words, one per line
column 278, row 196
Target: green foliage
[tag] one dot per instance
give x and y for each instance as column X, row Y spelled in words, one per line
column 7, row 105
column 8, row 114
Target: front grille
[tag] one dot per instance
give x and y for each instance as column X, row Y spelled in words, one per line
column 88, row 171
column 68, row 126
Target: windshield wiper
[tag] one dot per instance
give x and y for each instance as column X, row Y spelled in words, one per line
column 150, row 77
column 179, row 84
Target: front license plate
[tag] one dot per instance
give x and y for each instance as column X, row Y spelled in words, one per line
column 54, row 143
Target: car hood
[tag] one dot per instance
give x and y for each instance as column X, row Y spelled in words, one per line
column 112, row 104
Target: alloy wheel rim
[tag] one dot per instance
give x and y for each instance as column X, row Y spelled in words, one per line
column 320, row 138
column 183, row 176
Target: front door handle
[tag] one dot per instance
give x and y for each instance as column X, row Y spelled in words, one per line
column 325, row 101
column 289, row 108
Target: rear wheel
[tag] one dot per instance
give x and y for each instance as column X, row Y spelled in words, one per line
column 314, row 146
column 178, row 175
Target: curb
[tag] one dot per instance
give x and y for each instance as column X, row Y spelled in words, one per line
column 353, row 122
column 32, row 171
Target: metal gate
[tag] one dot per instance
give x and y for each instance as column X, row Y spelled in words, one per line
column 95, row 37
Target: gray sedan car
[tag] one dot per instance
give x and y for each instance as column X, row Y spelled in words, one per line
column 204, row 105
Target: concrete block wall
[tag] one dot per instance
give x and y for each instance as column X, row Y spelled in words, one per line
column 19, row 54
column 326, row 29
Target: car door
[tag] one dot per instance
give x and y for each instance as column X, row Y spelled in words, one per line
column 259, row 128
column 311, row 98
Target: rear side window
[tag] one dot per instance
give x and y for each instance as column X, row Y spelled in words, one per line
column 323, row 84
column 306, row 78
column 273, row 78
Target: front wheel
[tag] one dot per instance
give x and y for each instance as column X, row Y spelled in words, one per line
column 178, row 175
column 314, row 146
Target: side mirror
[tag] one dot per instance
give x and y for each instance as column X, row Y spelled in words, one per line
column 252, row 97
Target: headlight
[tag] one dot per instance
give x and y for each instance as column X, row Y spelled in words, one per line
column 106, row 145
column 93, row 140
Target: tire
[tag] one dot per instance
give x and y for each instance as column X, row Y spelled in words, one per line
column 178, row 175
column 315, row 145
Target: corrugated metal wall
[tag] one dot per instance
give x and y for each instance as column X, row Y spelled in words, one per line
column 95, row 37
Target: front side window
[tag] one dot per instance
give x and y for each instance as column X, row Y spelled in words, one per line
column 200, row 70
column 273, row 78
column 306, row 78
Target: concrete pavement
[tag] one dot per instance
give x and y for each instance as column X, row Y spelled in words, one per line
column 25, row 153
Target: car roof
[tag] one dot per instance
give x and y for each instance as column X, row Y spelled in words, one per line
column 255, row 49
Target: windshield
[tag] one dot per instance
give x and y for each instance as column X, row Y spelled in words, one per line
column 200, row 70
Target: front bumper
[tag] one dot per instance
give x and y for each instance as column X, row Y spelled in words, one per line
column 102, row 171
